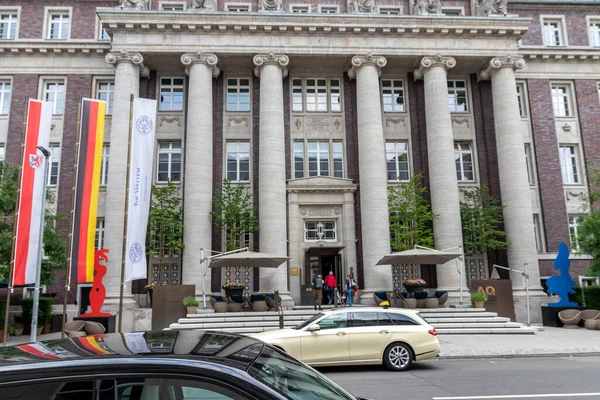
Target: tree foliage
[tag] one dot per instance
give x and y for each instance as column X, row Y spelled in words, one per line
column 588, row 230
column 164, row 235
column 410, row 215
column 234, row 215
column 481, row 216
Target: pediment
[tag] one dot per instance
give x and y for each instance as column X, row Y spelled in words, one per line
column 321, row 183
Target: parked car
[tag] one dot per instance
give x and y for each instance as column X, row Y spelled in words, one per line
column 168, row 365
column 394, row 337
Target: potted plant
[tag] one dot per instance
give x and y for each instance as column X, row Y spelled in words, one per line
column 414, row 285
column 234, row 289
column 478, row 299
column 11, row 330
column 18, row 328
column 190, row 303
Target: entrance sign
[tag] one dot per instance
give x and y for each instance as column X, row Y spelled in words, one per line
column 499, row 294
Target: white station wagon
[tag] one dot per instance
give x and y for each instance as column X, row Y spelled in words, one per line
column 359, row 336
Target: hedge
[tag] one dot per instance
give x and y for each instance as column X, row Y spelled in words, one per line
column 592, row 297
column 44, row 310
column 2, row 313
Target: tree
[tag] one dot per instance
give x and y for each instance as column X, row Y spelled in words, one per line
column 234, row 215
column 410, row 215
column 481, row 216
column 55, row 248
column 588, row 231
column 165, row 223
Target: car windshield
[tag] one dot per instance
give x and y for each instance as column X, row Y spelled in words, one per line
column 293, row 379
column 309, row 321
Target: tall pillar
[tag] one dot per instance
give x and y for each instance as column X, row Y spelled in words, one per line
column 373, row 173
column 128, row 67
column 271, row 69
column 445, row 201
column 514, row 186
column 198, row 187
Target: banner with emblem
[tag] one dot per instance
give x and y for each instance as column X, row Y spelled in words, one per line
column 29, row 212
column 141, row 155
column 87, row 187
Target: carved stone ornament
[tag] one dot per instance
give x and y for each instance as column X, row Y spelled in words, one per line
column 281, row 60
column 487, row 8
column 435, row 61
column 361, row 6
column 135, row 4
column 502, row 62
column 366, row 60
column 189, row 59
column 206, row 5
column 124, row 56
column 425, row 7
column 270, row 5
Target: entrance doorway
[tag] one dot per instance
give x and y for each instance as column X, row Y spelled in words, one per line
column 321, row 261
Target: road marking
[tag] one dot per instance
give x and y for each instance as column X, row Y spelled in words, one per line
column 519, row 396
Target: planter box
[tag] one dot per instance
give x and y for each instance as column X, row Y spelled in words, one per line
column 234, row 292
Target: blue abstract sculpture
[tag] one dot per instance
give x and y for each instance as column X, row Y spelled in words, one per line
column 562, row 284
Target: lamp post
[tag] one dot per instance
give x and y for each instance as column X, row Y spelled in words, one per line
column 525, row 277
column 459, row 268
column 38, row 270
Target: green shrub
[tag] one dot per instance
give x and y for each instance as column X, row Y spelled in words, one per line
column 27, row 307
column 2, row 313
column 44, row 310
column 476, row 297
column 578, row 296
column 592, row 297
column 189, row 301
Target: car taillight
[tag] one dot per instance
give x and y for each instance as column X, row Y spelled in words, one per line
column 432, row 332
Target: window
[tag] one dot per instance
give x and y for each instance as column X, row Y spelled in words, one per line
column 594, row 31
column 385, row 10
column 99, row 241
column 452, row 12
column 238, row 7
column 397, row 161
column 574, row 221
column 553, row 32
column 5, row 95
column 102, row 32
column 529, row 163
column 61, row 389
column 2, row 152
column 238, row 161
column 169, row 162
column 568, row 164
column 319, row 230
column 300, row 8
column 54, row 92
column 238, row 94
column 171, row 94
column 318, row 158
column 561, row 100
column 537, row 229
column 54, row 164
column 105, row 90
column 457, row 96
column 328, row 9
column 59, row 23
column 521, row 100
column 8, row 25
column 316, row 95
column 360, row 319
column 104, row 164
column 393, row 95
column 463, row 155
column 396, row 319
column 172, row 6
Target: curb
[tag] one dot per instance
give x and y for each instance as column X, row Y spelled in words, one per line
column 517, row 355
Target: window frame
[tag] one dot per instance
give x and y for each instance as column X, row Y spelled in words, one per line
column 460, row 10
column 329, row 95
column 530, row 161
column 5, row 10
column 238, row 7
column 538, row 233
column 100, row 233
column 594, row 40
column 462, row 162
column 386, row 9
column 333, row 230
column 162, row 4
column 331, row 164
column 54, row 158
column 104, row 164
column 2, row 151
column 574, row 222
column 4, row 101
column 44, row 92
column 110, row 94
column 238, row 172
column 393, row 89
column 238, row 86
column 54, row 10
column 329, row 7
column 300, row 6
column 454, row 92
column 408, row 159
column 576, row 177
column 522, row 99
column 170, row 151
column 172, row 86
column 568, row 95
column 560, row 29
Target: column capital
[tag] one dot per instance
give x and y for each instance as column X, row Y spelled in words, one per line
column 434, row 61
column 127, row 57
column 366, row 60
column 281, row 60
column 211, row 60
column 514, row 62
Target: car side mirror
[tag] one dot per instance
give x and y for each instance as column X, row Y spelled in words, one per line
column 314, row 328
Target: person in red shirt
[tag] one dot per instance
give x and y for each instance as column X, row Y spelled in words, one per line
column 331, row 283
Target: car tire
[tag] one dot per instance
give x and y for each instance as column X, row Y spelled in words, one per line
column 398, row 357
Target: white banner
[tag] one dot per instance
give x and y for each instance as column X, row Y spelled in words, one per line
column 140, row 185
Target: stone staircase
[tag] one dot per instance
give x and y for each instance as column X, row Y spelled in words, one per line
column 444, row 320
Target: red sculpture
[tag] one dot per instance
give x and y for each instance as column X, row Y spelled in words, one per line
column 98, row 292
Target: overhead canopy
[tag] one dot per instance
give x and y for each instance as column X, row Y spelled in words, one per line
column 248, row 259
column 419, row 256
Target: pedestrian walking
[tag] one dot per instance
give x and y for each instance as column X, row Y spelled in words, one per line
column 350, row 288
column 330, row 283
column 318, row 290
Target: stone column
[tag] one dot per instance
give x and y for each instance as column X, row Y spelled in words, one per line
column 442, row 169
column 514, row 186
column 128, row 68
column 271, row 69
column 373, row 174
column 198, row 187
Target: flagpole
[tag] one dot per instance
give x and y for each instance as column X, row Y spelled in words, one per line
column 68, row 267
column 124, row 252
column 11, row 265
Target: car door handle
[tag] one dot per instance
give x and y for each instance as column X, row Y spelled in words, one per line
column 384, row 332
column 341, row 333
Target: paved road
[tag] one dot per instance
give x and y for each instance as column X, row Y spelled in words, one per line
column 530, row 378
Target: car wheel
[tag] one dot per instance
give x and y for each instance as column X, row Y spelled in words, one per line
column 398, row 357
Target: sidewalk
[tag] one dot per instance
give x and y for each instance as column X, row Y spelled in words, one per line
column 549, row 342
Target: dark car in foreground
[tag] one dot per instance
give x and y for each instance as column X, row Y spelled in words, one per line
column 167, row 365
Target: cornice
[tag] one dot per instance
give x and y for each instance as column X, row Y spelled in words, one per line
column 559, row 54
column 48, row 47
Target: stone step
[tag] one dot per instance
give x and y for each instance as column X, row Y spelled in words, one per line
column 458, row 315
column 296, row 318
column 454, row 325
column 230, row 326
column 467, row 320
column 483, row 331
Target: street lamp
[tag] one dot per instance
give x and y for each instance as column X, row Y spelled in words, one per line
column 459, row 268
column 38, row 272
column 525, row 277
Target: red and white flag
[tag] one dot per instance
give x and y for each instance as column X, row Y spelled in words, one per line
column 29, row 213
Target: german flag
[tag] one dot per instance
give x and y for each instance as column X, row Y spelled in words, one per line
column 89, row 159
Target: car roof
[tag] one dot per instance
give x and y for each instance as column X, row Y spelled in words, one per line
column 371, row 309
column 208, row 347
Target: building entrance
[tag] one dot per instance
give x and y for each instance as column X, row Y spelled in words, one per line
column 321, row 261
